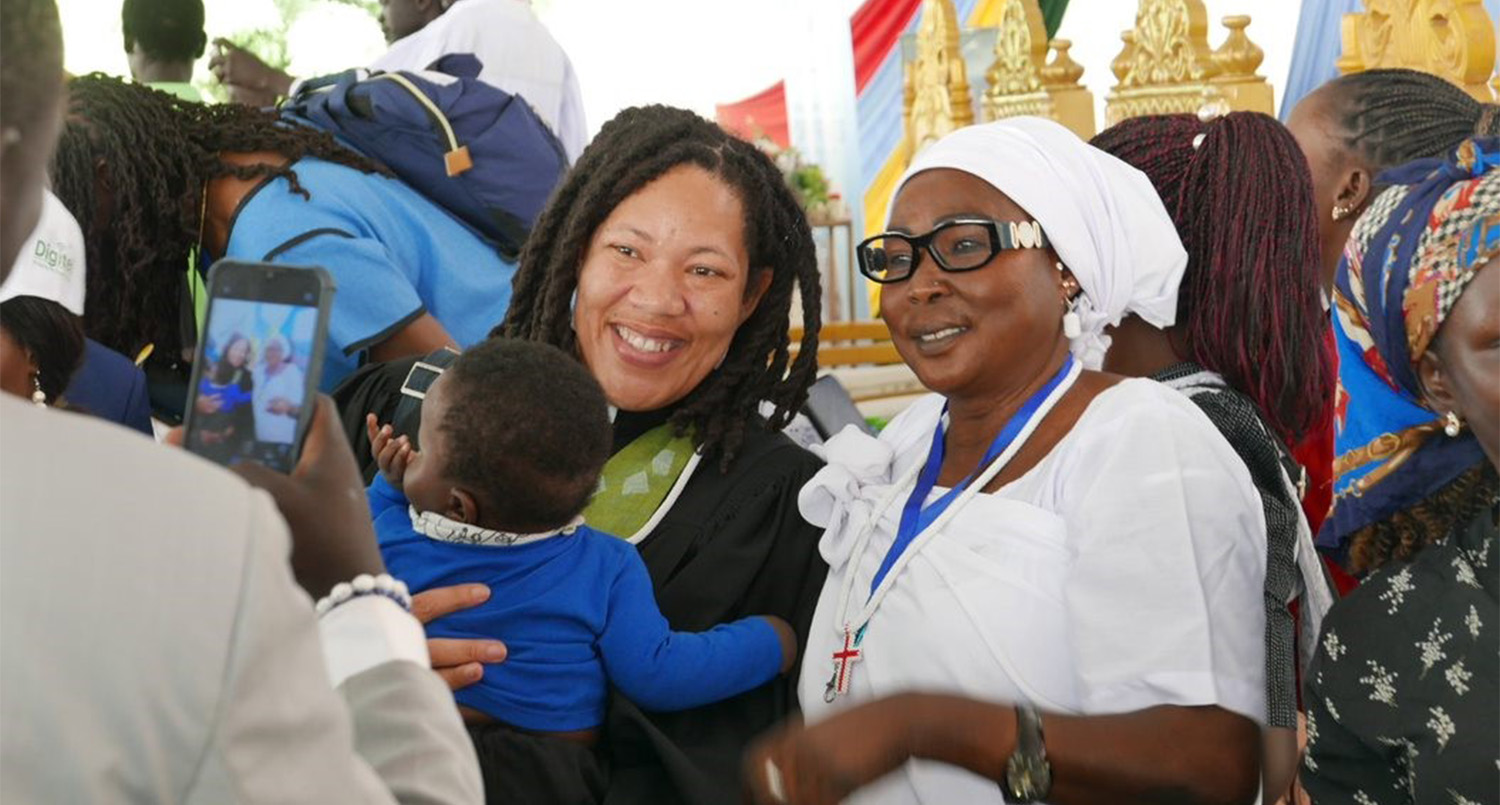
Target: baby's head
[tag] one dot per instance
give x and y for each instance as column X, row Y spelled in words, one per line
column 513, row 438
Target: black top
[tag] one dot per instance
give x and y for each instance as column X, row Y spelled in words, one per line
column 1402, row 700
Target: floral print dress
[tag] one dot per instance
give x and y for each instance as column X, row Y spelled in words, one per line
column 1402, row 702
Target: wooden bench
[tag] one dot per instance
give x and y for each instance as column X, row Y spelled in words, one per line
column 852, row 343
column 860, row 354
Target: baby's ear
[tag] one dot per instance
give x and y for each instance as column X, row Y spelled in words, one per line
column 462, row 506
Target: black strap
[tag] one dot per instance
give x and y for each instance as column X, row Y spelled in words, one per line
column 419, row 379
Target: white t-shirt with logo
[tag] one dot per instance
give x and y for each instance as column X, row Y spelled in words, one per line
column 51, row 263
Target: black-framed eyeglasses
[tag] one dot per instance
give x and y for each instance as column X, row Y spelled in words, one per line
column 962, row 244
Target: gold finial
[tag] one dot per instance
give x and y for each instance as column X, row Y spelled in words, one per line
column 1453, row 39
column 1021, row 82
column 1121, row 65
column 1167, row 66
column 1171, row 44
column 938, row 81
column 1020, row 52
column 1062, row 71
column 1238, row 56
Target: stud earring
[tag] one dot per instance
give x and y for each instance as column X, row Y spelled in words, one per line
column 38, row 397
column 1340, row 212
column 1453, row 425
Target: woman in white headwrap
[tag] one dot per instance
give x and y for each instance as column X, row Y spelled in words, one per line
column 1044, row 581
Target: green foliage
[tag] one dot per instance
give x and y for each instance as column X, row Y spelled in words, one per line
column 810, row 185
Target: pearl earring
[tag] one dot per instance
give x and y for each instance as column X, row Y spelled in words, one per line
column 38, row 397
column 1453, row 426
column 1072, row 324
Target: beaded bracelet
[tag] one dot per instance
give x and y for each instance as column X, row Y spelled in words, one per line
column 365, row 584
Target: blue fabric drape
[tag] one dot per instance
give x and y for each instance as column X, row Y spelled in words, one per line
column 1319, row 44
column 1317, row 48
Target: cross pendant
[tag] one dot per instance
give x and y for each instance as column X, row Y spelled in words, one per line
column 843, row 670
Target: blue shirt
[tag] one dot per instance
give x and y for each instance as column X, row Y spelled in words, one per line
column 393, row 254
column 576, row 612
column 109, row 386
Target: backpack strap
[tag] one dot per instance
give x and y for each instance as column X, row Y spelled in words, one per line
column 408, row 415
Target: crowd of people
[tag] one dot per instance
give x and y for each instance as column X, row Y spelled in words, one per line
column 1202, row 506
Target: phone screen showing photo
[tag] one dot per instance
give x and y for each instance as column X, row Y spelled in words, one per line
column 256, row 378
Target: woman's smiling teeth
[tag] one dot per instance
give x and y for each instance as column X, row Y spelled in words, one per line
column 940, row 335
column 645, row 343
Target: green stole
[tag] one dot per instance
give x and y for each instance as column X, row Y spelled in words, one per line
column 637, row 480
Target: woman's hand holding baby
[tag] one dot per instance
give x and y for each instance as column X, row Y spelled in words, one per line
column 392, row 453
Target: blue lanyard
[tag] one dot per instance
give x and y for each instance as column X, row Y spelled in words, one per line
column 915, row 518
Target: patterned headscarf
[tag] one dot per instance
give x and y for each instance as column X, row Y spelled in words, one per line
column 1407, row 262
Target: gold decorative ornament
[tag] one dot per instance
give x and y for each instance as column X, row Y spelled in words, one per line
column 1022, row 82
column 1454, row 39
column 937, row 85
column 1238, row 58
column 1167, row 67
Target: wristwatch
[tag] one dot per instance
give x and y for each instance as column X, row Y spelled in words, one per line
column 1028, row 775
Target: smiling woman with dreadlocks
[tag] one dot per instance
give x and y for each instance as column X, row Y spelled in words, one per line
column 667, row 262
column 153, row 179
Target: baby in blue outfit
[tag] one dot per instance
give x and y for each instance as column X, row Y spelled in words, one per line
column 513, row 437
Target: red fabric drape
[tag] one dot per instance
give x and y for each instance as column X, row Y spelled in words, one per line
column 876, row 27
column 761, row 113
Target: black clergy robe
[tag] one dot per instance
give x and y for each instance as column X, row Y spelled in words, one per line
column 733, row 545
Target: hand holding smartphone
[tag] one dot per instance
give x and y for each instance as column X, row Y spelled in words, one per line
column 257, row 366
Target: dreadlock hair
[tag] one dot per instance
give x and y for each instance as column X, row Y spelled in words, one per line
column 635, row 148
column 50, row 335
column 169, row 30
column 132, row 166
column 527, row 429
column 1429, row 521
column 1241, row 196
column 1391, row 117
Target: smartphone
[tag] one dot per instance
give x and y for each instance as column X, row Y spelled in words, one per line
column 257, row 363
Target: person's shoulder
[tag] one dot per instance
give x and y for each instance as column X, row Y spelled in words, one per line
column 770, row 451
column 1398, row 597
column 1141, row 401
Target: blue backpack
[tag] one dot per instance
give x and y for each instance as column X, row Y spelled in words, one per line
column 477, row 151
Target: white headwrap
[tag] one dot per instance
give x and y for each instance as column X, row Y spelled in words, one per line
column 1101, row 216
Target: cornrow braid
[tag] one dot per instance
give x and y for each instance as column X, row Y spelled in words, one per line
column 132, row 165
column 1241, row 198
column 1391, row 117
column 635, row 148
column 1402, row 535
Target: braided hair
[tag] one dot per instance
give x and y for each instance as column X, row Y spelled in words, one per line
column 132, row 166
column 1391, row 117
column 635, row 148
column 52, row 337
column 1400, row 537
column 1241, row 197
